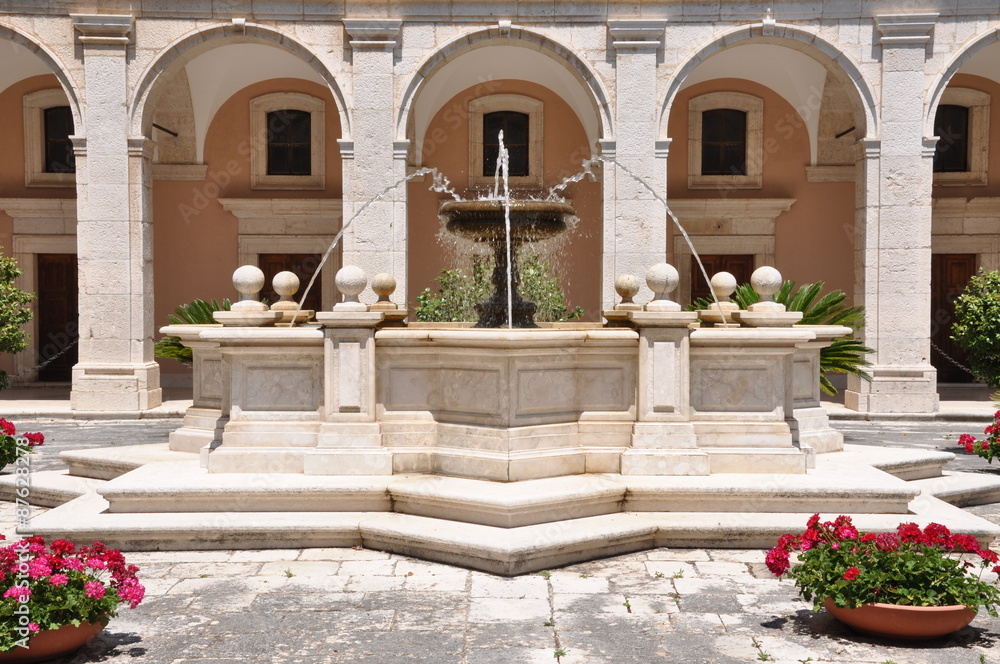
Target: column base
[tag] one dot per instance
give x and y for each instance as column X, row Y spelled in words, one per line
column 908, row 390
column 116, row 387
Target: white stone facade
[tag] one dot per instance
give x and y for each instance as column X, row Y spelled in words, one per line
column 387, row 69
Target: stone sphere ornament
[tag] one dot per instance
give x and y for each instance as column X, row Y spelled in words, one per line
column 351, row 281
column 285, row 284
column 662, row 279
column 248, row 280
column 384, row 285
column 626, row 286
column 723, row 285
column 766, row 281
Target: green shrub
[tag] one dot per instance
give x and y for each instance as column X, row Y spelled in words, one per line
column 458, row 294
column 196, row 312
column 843, row 355
column 14, row 312
column 977, row 326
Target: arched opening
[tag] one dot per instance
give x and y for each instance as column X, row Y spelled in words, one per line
column 246, row 170
column 38, row 203
column 964, row 114
column 461, row 94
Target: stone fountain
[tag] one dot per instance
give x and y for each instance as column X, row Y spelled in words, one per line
column 484, row 221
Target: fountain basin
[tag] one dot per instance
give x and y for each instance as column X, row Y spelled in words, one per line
column 486, row 221
column 483, row 221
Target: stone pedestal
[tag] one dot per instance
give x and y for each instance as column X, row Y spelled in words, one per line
column 663, row 437
column 203, row 420
column 811, row 425
column 349, row 440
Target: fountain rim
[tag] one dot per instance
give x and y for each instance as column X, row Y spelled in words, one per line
column 452, row 208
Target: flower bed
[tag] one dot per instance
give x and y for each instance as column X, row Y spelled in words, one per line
column 10, row 448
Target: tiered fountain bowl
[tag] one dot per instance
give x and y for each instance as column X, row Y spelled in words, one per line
column 483, row 221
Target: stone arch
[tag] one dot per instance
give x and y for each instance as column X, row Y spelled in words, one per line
column 942, row 80
column 193, row 43
column 517, row 37
column 52, row 61
column 824, row 51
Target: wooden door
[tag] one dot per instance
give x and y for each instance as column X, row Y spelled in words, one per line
column 950, row 273
column 303, row 265
column 740, row 266
column 58, row 315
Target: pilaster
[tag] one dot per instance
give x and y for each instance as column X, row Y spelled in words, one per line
column 376, row 239
column 116, row 371
column 635, row 234
column 894, row 268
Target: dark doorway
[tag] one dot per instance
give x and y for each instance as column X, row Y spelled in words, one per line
column 303, row 265
column 950, row 274
column 739, row 265
column 58, row 316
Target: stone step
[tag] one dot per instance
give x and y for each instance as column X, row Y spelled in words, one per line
column 186, row 487
column 962, row 489
column 507, row 551
column 105, row 463
column 906, row 464
column 49, row 488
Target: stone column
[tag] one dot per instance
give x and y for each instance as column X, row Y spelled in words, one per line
column 635, row 235
column 376, row 240
column 893, row 251
column 116, row 371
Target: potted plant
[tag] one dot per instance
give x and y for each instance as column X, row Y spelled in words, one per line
column 915, row 583
column 10, row 448
column 989, row 447
column 55, row 598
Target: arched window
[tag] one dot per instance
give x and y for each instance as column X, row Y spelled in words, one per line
column 515, row 130
column 724, row 142
column 289, row 142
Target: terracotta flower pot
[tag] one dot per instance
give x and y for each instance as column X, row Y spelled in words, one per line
column 903, row 622
column 52, row 643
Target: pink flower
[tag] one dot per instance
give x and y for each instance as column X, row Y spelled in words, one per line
column 33, row 627
column 59, row 579
column 39, row 567
column 73, row 564
column 22, row 594
column 132, row 592
column 96, row 563
column 94, row 589
column 852, row 573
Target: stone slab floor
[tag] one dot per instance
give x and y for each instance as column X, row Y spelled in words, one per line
column 317, row 606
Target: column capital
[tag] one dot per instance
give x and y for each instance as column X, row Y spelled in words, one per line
column 104, row 29
column 140, row 146
column 871, row 148
column 661, row 148
column 346, row 148
column 905, row 28
column 373, row 33
column 400, row 149
column 637, row 34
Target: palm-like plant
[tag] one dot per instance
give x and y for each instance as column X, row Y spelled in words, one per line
column 196, row 312
column 843, row 355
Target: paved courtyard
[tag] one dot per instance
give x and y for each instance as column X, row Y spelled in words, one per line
column 368, row 607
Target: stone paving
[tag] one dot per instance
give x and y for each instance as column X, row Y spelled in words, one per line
column 316, row 606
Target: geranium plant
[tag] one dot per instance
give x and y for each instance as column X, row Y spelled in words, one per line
column 989, row 447
column 914, row 566
column 9, row 448
column 47, row 587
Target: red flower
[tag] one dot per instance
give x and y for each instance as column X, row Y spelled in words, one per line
column 852, row 573
column 7, row 427
column 34, row 439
